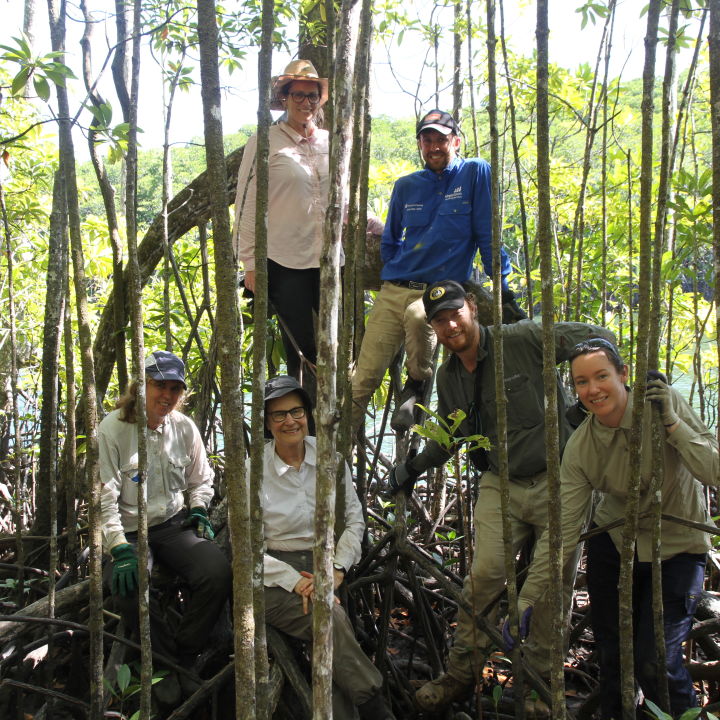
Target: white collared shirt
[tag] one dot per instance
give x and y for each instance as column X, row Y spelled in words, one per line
column 288, row 502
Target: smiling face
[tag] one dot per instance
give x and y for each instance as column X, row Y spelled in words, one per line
column 161, row 398
column 438, row 150
column 301, row 114
column 290, row 432
column 600, row 386
column 457, row 329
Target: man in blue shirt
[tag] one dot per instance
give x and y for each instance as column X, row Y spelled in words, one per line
column 439, row 217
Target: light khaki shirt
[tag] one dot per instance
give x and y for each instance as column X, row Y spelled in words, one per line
column 177, row 462
column 597, row 457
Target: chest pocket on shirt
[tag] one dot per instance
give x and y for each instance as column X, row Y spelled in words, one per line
column 129, row 487
column 176, row 472
column 523, row 407
column 415, row 217
column 454, row 217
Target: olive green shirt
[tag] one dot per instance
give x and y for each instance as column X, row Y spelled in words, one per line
column 597, row 457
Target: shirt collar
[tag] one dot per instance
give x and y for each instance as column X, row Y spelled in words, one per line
column 310, row 457
column 295, row 136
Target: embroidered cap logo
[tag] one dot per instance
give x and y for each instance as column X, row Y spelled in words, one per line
column 437, row 293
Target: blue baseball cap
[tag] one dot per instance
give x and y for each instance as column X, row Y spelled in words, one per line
column 164, row 365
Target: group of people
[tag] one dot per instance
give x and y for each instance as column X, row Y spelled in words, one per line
column 438, row 218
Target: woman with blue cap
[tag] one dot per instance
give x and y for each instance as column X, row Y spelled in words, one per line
column 178, row 538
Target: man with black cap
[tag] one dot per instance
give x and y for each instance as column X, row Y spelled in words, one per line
column 438, row 218
column 466, row 381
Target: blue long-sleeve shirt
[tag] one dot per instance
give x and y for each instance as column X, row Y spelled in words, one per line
column 436, row 223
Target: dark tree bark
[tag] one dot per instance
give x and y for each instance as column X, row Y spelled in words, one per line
column 56, row 11
column 552, row 440
column 229, row 354
column 641, row 366
column 501, row 401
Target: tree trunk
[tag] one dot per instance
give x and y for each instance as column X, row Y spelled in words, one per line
column 327, row 408
column 552, row 440
column 56, row 12
column 501, row 401
column 229, row 353
column 641, row 365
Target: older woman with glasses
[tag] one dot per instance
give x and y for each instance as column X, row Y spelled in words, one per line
column 297, row 201
column 597, row 457
column 288, row 502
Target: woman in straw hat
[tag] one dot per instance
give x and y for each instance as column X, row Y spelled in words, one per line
column 297, row 201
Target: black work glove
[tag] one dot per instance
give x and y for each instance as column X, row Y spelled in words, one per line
column 524, row 628
column 658, row 392
column 125, row 569
column 402, row 477
column 511, row 311
column 198, row 518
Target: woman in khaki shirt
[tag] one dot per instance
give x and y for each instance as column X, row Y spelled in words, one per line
column 597, row 457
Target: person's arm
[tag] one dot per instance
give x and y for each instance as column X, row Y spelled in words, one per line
column 695, row 444
column 245, row 197
column 482, row 221
column 199, row 473
column 575, row 500
column 348, row 550
column 393, row 232
column 111, row 479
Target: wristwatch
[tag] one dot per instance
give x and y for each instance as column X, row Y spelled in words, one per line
column 339, row 567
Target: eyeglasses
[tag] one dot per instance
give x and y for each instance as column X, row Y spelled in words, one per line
column 278, row 416
column 299, row 97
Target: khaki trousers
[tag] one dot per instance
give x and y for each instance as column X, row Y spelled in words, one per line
column 528, row 517
column 355, row 677
column 397, row 317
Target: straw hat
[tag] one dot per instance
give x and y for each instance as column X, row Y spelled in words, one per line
column 297, row 70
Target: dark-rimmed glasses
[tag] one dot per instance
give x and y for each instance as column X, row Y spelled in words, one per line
column 299, row 97
column 296, row 413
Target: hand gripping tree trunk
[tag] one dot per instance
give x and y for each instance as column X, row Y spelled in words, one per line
column 229, row 354
column 56, row 12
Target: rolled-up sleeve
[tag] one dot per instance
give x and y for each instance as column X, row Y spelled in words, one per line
column 348, row 549
column 112, row 528
column 245, row 198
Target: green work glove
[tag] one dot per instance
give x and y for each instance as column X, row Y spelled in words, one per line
column 198, row 518
column 125, row 569
column 659, row 392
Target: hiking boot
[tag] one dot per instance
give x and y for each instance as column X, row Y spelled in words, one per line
column 404, row 415
column 439, row 693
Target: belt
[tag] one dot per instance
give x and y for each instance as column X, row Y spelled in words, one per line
column 411, row 284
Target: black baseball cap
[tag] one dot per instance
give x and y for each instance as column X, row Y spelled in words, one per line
column 443, row 295
column 164, row 365
column 438, row 120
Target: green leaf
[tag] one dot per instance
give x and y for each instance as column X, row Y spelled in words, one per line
column 497, row 694
column 20, row 81
column 656, row 711
column 42, row 87
column 123, row 677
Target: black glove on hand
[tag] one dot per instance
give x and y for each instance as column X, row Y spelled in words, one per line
column 402, row 477
column 125, row 569
column 198, row 519
column 658, row 392
column 524, row 630
column 511, row 311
